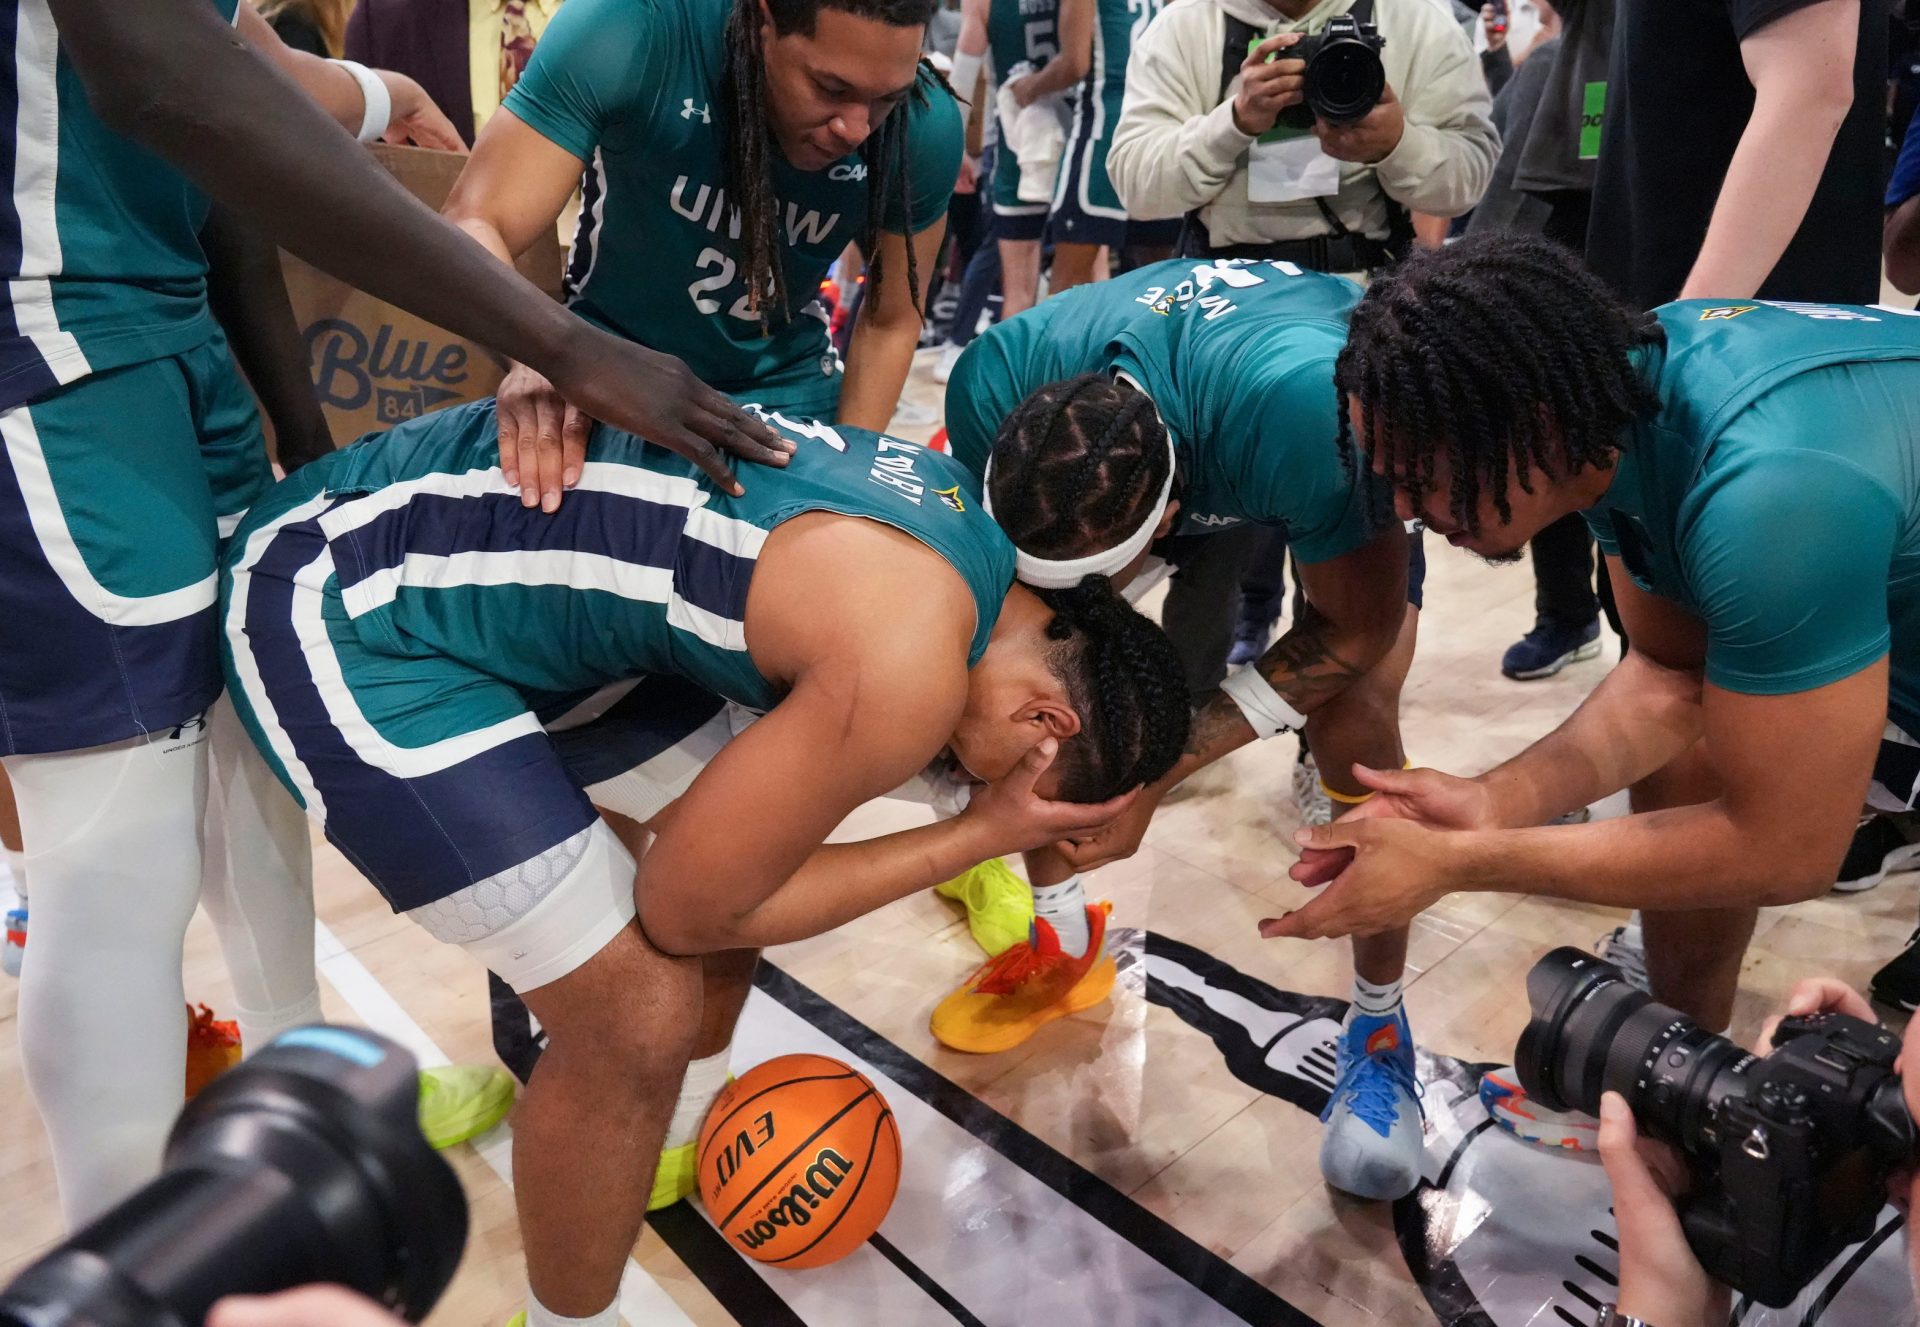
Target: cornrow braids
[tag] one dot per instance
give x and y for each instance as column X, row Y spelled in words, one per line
column 1501, row 352
column 1127, row 685
column 750, row 146
column 1077, row 466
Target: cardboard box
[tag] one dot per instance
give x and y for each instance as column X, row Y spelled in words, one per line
column 375, row 365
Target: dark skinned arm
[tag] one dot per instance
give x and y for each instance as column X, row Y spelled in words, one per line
column 172, row 77
column 1766, row 840
column 249, row 298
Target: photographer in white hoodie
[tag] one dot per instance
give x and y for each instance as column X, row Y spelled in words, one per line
column 1181, row 145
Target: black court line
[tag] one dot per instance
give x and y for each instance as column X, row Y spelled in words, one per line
column 1846, row 1273
column 1193, row 1263
column 727, row 1274
column 914, row 1273
column 1460, row 1150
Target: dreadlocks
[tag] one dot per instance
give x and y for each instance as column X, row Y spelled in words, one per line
column 750, row 145
column 1503, row 352
column 1077, row 465
column 1127, row 685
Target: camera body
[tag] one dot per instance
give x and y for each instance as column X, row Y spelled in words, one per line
column 1790, row 1152
column 1344, row 78
column 1794, row 1169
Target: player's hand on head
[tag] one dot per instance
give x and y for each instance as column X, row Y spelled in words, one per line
column 1119, row 839
column 415, row 119
column 1014, row 817
column 1660, row 1279
column 658, row 398
column 1423, row 796
column 310, row 1306
column 1270, row 81
column 1369, row 140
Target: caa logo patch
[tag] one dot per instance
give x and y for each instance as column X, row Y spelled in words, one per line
column 848, row 170
column 1726, row 311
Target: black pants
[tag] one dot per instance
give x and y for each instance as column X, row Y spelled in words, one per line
column 1203, row 597
column 1563, row 571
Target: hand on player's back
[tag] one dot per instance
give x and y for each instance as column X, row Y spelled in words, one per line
column 544, row 423
column 1013, row 817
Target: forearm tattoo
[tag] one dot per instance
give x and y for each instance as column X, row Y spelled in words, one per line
column 1303, row 667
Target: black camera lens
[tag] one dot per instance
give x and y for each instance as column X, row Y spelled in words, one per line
column 303, row 1165
column 1344, row 81
column 1592, row 1032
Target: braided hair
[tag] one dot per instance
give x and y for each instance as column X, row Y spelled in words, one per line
column 1077, row 465
column 1126, row 684
column 1501, row 351
column 750, row 146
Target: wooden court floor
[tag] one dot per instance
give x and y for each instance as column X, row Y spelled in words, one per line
column 1152, row 1160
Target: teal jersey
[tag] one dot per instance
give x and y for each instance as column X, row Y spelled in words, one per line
column 1238, row 358
column 100, row 237
column 1776, row 493
column 636, row 90
column 645, row 568
column 1022, row 30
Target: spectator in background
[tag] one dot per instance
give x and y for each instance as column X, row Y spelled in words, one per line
column 1508, row 32
column 318, row 27
column 1901, row 236
column 1544, row 184
column 1742, row 154
column 467, row 54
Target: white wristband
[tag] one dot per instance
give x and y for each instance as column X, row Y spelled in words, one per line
column 379, row 104
column 1265, row 709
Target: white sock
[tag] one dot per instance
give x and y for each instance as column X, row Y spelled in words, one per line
column 1376, row 1001
column 16, row 863
column 1065, row 907
column 705, row 1078
column 540, row 1316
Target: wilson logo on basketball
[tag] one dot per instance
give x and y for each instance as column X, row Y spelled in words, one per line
column 796, row 1206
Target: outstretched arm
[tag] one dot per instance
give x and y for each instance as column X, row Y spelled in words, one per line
column 172, row 77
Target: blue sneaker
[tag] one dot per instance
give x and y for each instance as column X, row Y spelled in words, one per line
column 1375, row 1129
column 1250, row 641
column 1549, row 647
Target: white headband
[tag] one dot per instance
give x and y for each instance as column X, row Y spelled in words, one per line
column 1064, row 573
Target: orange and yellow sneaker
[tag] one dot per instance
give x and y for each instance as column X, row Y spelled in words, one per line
column 1015, row 995
column 213, row 1047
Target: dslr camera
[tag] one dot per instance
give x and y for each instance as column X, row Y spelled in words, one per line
column 1344, row 78
column 304, row 1164
column 1789, row 1152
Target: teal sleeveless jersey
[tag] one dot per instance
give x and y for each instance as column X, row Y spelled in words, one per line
column 1020, row 30
column 636, row 90
column 644, row 569
column 1776, row 492
column 1238, row 358
column 100, row 238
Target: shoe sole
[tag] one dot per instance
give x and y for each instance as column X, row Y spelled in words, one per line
column 1911, row 1006
column 1588, row 651
column 1901, row 861
column 1020, row 1034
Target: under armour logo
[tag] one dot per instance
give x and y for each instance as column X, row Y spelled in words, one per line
column 196, row 724
column 688, row 110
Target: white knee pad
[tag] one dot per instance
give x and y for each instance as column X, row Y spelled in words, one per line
column 536, row 922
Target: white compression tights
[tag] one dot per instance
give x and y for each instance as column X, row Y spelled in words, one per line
column 114, row 834
column 258, row 887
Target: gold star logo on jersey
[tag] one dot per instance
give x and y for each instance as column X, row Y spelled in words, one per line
column 951, row 496
column 1720, row 313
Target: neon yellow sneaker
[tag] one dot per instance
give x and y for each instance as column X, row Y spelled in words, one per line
column 1015, row 995
column 462, row 1101
column 999, row 904
column 676, row 1177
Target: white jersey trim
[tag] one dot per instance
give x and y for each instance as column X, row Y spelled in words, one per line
column 36, row 178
